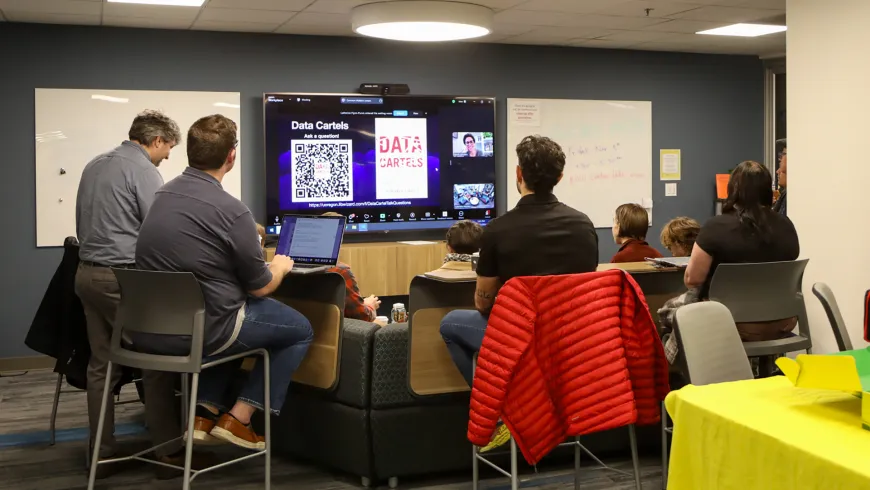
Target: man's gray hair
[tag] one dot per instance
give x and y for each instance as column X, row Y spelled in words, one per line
column 149, row 125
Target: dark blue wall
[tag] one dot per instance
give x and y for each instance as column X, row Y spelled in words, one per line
column 711, row 107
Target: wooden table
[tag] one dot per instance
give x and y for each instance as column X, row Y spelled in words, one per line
column 386, row 268
column 659, row 284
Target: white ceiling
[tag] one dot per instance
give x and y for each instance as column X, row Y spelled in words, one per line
column 670, row 25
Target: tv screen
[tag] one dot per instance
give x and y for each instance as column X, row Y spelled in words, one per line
column 404, row 165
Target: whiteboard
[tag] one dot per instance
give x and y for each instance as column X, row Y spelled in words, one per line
column 74, row 126
column 607, row 145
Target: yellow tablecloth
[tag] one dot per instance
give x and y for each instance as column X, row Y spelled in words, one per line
column 766, row 434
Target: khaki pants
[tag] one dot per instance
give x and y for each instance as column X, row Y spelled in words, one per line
column 100, row 295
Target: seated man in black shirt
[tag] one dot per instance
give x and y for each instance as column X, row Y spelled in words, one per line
column 539, row 237
column 195, row 226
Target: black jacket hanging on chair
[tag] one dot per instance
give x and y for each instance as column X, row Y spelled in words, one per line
column 59, row 329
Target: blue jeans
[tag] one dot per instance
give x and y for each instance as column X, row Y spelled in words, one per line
column 463, row 331
column 269, row 324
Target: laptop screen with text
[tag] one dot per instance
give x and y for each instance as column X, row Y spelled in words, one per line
column 312, row 240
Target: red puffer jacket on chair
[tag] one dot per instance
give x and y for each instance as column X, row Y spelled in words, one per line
column 565, row 356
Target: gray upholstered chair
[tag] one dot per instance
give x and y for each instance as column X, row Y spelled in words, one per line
column 829, row 303
column 761, row 292
column 168, row 303
column 710, row 344
column 712, row 352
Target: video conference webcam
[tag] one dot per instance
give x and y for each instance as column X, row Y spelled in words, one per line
column 384, row 88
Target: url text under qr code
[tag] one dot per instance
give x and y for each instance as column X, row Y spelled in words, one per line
column 322, row 170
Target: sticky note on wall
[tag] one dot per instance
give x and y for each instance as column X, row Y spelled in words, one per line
column 722, row 185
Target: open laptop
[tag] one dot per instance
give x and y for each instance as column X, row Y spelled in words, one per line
column 312, row 242
column 681, row 262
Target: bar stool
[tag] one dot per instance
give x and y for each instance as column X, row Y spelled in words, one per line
column 169, row 303
column 513, row 474
column 58, row 390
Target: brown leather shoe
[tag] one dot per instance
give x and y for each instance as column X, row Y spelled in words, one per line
column 229, row 429
column 201, row 432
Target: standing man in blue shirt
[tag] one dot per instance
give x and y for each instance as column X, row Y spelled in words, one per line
column 115, row 192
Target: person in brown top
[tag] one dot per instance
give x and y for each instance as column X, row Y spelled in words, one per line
column 679, row 235
column 629, row 230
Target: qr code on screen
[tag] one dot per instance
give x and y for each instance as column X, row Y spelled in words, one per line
column 322, row 170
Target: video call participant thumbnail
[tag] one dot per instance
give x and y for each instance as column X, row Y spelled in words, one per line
column 472, row 145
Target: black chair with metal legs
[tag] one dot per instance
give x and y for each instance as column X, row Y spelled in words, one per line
column 832, row 310
column 476, row 458
column 169, row 303
column 764, row 292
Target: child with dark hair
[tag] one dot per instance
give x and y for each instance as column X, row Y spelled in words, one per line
column 463, row 239
column 629, row 231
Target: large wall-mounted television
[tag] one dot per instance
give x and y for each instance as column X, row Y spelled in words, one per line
column 395, row 166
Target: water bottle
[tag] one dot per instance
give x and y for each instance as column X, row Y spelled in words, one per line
column 399, row 314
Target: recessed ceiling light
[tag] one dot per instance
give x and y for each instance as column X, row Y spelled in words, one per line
column 174, row 3
column 417, row 20
column 744, row 30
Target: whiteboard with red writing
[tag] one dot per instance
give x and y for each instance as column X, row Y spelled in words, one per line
column 607, row 145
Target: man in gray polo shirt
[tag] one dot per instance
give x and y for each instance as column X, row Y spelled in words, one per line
column 195, row 226
column 115, row 192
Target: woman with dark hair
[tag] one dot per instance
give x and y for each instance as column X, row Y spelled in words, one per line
column 748, row 230
column 470, row 145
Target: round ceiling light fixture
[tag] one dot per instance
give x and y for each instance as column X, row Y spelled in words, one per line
column 422, row 21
